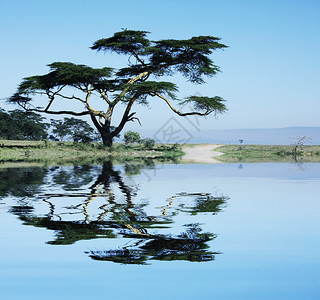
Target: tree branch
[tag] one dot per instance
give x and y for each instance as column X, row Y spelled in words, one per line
column 179, row 112
column 60, row 112
column 132, row 118
column 51, row 96
column 71, row 98
column 131, row 81
column 95, row 122
column 138, row 58
column 50, row 102
column 104, row 96
column 90, row 109
column 78, row 86
column 126, row 116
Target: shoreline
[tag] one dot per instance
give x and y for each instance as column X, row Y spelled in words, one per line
column 57, row 153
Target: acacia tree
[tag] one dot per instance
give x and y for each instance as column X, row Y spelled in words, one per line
column 135, row 83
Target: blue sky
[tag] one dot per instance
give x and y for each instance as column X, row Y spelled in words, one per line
column 270, row 72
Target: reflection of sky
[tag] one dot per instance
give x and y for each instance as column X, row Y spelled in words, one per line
column 271, row 170
column 268, row 234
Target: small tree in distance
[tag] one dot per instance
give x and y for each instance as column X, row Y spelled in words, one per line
column 131, row 137
column 76, row 129
column 80, row 130
column 133, row 84
column 298, row 144
column 60, row 129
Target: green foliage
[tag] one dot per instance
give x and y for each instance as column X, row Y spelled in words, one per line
column 30, row 125
column 6, row 127
column 164, row 57
column 207, row 104
column 124, row 42
column 148, row 143
column 131, row 137
column 22, row 125
column 63, row 74
column 78, row 130
column 150, row 88
column 60, row 129
column 189, row 57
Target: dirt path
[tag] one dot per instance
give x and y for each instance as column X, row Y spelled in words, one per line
column 201, row 154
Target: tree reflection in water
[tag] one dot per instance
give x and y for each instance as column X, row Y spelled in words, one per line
column 97, row 202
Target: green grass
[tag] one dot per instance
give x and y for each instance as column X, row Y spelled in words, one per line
column 64, row 153
column 267, row 153
column 24, row 143
column 54, row 152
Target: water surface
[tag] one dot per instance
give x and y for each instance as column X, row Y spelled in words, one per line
column 228, row 231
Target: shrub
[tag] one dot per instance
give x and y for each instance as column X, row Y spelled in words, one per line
column 131, row 137
column 148, row 143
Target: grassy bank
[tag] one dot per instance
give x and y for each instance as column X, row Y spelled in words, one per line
column 267, row 153
column 54, row 152
column 63, row 153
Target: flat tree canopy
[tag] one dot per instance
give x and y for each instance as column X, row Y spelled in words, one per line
column 135, row 83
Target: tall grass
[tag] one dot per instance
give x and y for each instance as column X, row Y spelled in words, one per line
column 64, row 152
column 267, row 153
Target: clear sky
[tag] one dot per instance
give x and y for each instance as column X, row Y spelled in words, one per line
column 270, row 72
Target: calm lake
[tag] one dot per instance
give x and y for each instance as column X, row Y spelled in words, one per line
column 160, row 231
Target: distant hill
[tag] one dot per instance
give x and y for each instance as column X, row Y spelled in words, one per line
column 274, row 136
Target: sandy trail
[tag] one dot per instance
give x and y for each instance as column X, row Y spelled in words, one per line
column 202, row 154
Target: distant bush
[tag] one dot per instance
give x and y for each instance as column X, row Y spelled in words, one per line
column 131, row 137
column 148, row 143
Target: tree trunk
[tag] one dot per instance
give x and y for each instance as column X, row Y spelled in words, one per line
column 104, row 130
column 107, row 138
